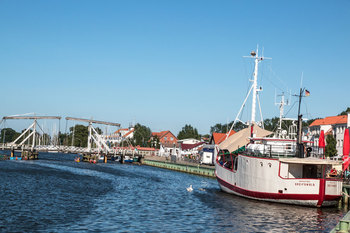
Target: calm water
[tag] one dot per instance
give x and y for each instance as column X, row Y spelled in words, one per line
column 55, row 194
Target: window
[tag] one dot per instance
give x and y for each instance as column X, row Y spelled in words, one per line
column 310, row 171
column 171, row 138
column 165, row 138
column 235, row 163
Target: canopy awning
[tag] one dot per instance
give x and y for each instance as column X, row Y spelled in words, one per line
column 241, row 138
column 314, row 161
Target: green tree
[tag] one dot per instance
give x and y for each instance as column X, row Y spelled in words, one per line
column 223, row 128
column 8, row 135
column 64, row 139
column 345, row 112
column 331, row 146
column 142, row 135
column 188, row 132
column 81, row 134
column 218, row 128
column 155, row 142
column 272, row 124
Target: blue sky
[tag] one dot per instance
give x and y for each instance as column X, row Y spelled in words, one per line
column 165, row 64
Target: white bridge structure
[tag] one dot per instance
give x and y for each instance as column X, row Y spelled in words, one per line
column 30, row 138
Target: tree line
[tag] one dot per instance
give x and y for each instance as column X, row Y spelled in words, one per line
column 78, row 134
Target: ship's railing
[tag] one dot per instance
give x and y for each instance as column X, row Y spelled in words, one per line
column 286, row 150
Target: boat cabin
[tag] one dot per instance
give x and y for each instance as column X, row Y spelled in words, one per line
column 308, row 168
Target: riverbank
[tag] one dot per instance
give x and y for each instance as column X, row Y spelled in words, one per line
column 181, row 166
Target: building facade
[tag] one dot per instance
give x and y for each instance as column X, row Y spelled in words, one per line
column 334, row 125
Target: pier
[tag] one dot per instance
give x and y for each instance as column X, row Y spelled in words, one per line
column 180, row 166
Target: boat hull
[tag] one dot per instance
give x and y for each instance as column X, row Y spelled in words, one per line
column 300, row 199
column 253, row 179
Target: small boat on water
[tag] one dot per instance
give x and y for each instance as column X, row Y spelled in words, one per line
column 77, row 159
column 128, row 159
column 283, row 168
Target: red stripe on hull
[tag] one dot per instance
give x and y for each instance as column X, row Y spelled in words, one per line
column 279, row 196
column 321, row 192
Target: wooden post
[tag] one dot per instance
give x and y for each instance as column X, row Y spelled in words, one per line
column 105, row 158
column 346, row 197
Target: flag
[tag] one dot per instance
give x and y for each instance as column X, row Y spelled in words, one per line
column 307, row 93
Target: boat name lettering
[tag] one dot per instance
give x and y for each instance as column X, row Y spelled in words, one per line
column 304, row 184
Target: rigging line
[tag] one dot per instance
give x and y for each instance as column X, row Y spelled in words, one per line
column 307, row 110
column 282, row 82
column 276, row 76
column 40, row 128
column 291, row 108
column 276, row 85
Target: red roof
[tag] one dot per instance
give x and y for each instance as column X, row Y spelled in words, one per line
column 118, row 131
column 190, row 146
column 137, row 147
column 128, row 133
column 220, row 137
column 145, row 148
column 333, row 120
column 160, row 134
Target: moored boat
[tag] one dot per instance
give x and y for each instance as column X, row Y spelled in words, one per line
column 277, row 169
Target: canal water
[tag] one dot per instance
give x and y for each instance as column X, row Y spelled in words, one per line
column 56, row 194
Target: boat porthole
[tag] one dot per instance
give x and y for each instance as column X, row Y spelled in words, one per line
column 261, row 164
column 270, row 164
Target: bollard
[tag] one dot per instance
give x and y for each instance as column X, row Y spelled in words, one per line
column 105, row 158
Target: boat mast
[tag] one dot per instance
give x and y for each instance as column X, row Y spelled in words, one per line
column 253, row 88
column 255, row 83
column 300, row 145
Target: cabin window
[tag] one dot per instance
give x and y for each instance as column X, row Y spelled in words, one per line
column 310, row 171
column 235, row 163
column 228, row 162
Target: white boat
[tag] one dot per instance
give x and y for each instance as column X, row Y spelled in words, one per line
column 276, row 169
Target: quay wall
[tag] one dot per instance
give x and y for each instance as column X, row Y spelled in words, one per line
column 182, row 167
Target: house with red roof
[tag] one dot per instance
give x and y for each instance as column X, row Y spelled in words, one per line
column 166, row 138
column 166, row 141
column 191, row 149
column 217, row 138
column 335, row 125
